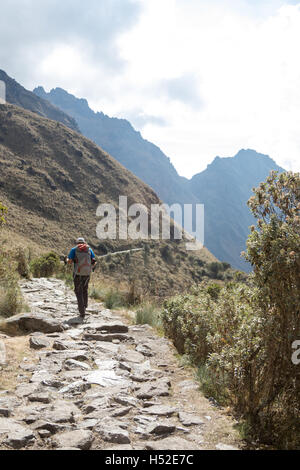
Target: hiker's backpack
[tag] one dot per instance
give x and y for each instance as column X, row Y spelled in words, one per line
column 83, row 262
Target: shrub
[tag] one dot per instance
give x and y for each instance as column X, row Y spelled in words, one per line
column 147, row 314
column 184, row 321
column 10, row 295
column 3, row 212
column 240, row 336
column 113, row 299
column 273, row 249
column 226, row 266
column 23, row 265
column 96, row 293
column 214, row 290
column 213, row 269
column 166, row 254
column 10, row 298
column 46, row 265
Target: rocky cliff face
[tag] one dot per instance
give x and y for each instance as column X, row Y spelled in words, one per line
column 224, row 187
column 18, row 95
column 119, row 139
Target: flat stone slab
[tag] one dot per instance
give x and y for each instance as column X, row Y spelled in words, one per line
column 42, row 376
column 88, row 423
column 17, row 435
column 8, row 404
column 106, row 378
column 132, row 356
column 71, row 364
column 121, row 411
column 8, row 425
column 80, row 439
column 153, row 389
column 110, row 433
column 78, row 386
column 52, row 428
column 38, row 342
column 95, row 405
column 145, row 350
column 20, row 439
column 23, row 390
column 189, row 419
column 110, row 327
column 163, row 427
column 77, row 355
column 30, row 322
column 40, row 397
column 107, row 364
column 160, row 410
column 106, row 337
column 126, row 400
column 60, row 345
column 171, row 443
column 61, row 412
column 107, row 348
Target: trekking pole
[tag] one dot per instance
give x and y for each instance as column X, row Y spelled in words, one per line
column 66, row 298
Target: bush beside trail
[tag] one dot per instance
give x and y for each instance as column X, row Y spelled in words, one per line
column 241, row 336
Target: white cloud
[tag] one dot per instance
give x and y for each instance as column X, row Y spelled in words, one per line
column 247, row 71
column 200, row 78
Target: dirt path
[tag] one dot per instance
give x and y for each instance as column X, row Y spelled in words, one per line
column 101, row 384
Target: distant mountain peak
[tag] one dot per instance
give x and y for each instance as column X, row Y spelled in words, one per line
column 245, row 158
column 223, row 187
column 65, row 100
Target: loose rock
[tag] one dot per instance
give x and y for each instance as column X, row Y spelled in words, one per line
column 38, row 342
column 81, row 439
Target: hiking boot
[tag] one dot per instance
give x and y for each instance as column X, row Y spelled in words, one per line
column 82, row 315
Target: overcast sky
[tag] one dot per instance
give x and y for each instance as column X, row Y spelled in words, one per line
column 199, row 78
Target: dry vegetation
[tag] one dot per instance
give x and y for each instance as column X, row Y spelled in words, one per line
column 52, row 181
column 17, row 348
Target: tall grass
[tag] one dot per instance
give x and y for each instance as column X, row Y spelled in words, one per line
column 148, row 314
column 11, row 301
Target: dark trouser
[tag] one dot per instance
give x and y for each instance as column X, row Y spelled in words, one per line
column 81, row 284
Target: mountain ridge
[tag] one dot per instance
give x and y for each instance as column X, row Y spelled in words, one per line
column 119, row 138
column 226, row 233
column 18, row 95
column 53, row 179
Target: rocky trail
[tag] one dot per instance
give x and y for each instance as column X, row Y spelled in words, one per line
column 98, row 384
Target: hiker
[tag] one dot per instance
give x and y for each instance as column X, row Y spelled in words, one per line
column 84, row 261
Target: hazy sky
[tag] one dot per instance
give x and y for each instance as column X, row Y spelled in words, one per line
column 199, row 78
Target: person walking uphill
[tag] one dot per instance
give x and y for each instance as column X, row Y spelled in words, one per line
column 84, row 261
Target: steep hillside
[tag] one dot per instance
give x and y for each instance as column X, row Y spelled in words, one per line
column 224, row 188
column 53, row 179
column 18, row 95
column 119, row 139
